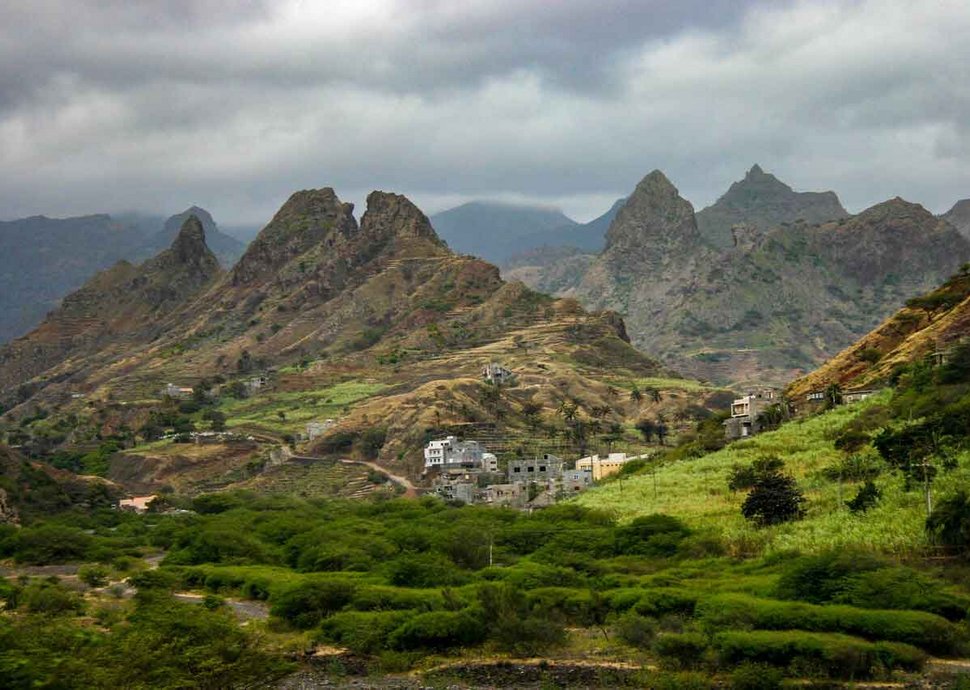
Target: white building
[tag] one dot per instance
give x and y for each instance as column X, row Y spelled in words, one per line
column 178, row 392
column 450, row 452
column 317, row 428
column 496, row 373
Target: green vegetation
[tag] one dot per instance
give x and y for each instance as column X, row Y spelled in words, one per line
column 403, row 583
column 298, row 408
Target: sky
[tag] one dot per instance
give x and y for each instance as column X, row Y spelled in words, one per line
column 109, row 105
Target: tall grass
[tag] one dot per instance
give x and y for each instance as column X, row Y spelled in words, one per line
column 696, row 491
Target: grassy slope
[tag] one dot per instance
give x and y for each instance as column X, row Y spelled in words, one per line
column 696, row 491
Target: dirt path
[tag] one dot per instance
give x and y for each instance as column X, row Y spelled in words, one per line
column 243, row 609
column 410, row 490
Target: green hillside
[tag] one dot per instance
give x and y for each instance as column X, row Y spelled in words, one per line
column 925, row 414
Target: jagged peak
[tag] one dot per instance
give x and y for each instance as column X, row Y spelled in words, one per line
column 655, row 210
column 755, row 171
column 395, row 214
column 190, row 243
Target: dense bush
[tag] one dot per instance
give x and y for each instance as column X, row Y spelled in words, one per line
column 305, row 604
column 636, row 630
column 773, row 499
column 651, row 535
column 439, row 630
column 423, row 570
column 52, row 543
column 360, row 632
column 680, row 650
column 835, row 655
column 949, row 523
column 821, row 578
column 924, row 630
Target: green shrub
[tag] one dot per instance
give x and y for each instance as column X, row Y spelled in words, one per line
column 383, row 598
column 624, row 599
column 513, row 626
column 924, row 630
column 750, row 676
column 50, row 598
column 636, row 630
column 652, row 535
column 423, row 571
column 52, row 543
column 305, row 604
column 831, row 654
column 439, row 630
column 821, row 578
column 662, row 601
column 93, row 575
column 949, row 523
column 362, row 632
column 680, row 650
column 902, row 588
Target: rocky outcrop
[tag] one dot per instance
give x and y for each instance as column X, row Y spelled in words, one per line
column 763, row 201
column 782, row 299
column 959, row 217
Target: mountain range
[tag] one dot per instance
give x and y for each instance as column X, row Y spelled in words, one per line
column 800, row 280
column 498, row 232
column 43, row 259
column 322, row 300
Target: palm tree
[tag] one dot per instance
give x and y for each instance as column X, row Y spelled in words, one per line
column 636, row 395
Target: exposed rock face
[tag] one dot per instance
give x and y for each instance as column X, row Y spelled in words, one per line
column 307, row 219
column 959, row 217
column 779, row 302
column 8, row 514
column 762, row 200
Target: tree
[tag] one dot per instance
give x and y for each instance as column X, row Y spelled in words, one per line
column 867, row 497
column 775, row 498
column 647, row 429
column 949, row 523
column 636, row 395
column 833, row 396
column 654, row 394
column 661, row 430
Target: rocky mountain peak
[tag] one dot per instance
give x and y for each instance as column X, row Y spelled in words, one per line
column 655, row 213
column 394, row 216
column 764, row 201
column 308, row 218
column 190, row 243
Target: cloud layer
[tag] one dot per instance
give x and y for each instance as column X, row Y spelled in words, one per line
column 234, row 104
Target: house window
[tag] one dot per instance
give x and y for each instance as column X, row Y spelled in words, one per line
column 542, row 468
column 530, row 468
column 516, row 469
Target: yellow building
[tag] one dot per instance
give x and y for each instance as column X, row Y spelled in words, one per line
column 604, row 465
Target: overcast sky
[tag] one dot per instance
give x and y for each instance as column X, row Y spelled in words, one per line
column 234, row 104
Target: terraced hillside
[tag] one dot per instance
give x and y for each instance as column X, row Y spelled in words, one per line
column 378, row 326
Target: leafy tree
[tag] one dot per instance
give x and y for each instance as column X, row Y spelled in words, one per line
column 745, row 477
column 867, row 497
column 647, row 429
column 636, row 395
column 949, row 523
column 307, row 603
column 774, row 498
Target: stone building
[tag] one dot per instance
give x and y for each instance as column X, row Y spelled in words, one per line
column 745, row 413
column 535, row 469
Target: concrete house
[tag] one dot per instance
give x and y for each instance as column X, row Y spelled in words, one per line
column 600, row 466
column 177, row 392
column 317, row 428
column 450, row 452
column 497, row 374
column 543, row 469
column 745, row 412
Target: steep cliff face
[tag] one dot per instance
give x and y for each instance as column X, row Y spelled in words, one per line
column 763, row 201
column 781, row 299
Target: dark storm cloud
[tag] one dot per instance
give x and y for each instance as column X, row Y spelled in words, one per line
column 233, row 105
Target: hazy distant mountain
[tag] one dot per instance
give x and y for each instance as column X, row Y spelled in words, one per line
column 226, row 248
column 959, row 217
column 495, row 231
column 42, row 259
column 790, row 292
column 763, row 201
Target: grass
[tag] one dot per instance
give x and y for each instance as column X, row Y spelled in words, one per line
column 298, row 407
column 662, row 383
column 696, row 491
